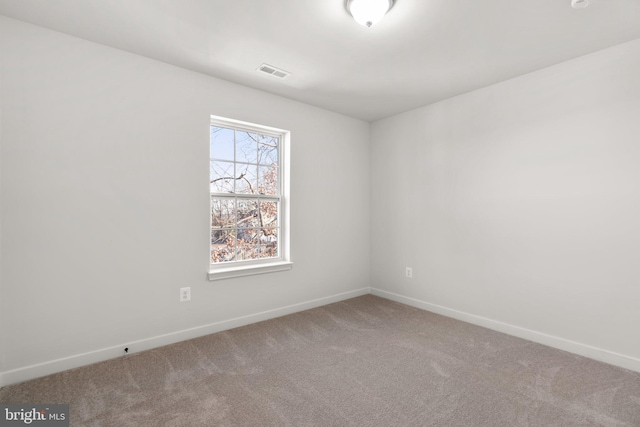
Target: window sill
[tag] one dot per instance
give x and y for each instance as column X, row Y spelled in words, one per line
column 248, row 270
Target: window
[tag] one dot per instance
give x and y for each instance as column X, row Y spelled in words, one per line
column 248, row 189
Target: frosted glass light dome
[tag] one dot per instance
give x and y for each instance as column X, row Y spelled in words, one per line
column 368, row 12
column 579, row 4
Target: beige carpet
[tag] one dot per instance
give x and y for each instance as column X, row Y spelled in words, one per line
column 362, row 362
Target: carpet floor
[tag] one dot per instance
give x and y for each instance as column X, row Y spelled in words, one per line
column 361, row 362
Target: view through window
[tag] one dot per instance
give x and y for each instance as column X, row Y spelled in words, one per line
column 246, row 194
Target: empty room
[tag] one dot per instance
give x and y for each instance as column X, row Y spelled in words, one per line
column 320, row 213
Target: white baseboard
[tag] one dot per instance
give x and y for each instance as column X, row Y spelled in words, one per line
column 595, row 353
column 75, row 361
column 34, row 371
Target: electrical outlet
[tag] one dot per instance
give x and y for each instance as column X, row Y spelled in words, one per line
column 409, row 273
column 185, row 294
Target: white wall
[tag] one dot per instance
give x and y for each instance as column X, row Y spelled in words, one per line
column 105, row 200
column 2, row 321
column 518, row 206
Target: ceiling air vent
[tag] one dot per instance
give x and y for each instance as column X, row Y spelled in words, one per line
column 276, row 72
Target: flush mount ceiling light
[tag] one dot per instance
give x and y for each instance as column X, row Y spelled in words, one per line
column 579, row 4
column 368, row 12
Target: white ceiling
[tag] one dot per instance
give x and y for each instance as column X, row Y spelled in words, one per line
column 422, row 52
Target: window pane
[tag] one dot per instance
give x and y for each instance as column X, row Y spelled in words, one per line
column 221, row 175
column 223, row 245
column 248, row 184
column 268, row 150
column 268, row 180
column 245, row 185
column 269, row 214
column 223, row 213
column 248, row 214
column 246, row 147
column 222, row 142
column 268, row 243
column 248, row 240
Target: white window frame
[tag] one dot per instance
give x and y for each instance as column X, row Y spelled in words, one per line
column 226, row 270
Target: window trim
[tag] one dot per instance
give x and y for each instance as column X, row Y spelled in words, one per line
column 221, row 271
column 249, row 270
